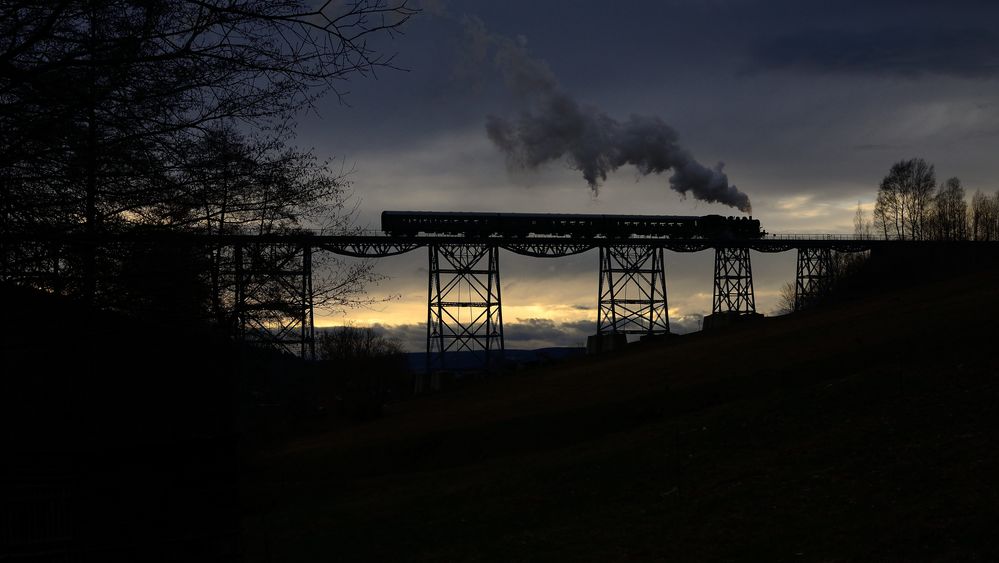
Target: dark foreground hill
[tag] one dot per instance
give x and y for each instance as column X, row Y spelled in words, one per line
column 118, row 439
column 865, row 431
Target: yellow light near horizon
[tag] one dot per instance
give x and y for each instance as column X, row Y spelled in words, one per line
column 557, row 313
column 406, row 311
column 416, row 313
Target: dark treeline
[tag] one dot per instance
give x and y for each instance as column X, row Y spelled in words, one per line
column 119, row 116
column 911, row 205
column 126, row 410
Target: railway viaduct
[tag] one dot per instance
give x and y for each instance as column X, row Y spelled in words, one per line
column 464, row 290
column 464, row 297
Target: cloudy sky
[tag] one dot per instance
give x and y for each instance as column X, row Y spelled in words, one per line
column 806, row 103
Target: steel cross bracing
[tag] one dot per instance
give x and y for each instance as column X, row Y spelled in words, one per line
column 733, row 291
column 813, row 277
column 464, row 311
column 632, row 291
column 273, row 301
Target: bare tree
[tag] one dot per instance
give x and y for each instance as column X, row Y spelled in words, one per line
column 118, row 114
column 984, row 216
column 229, row 183
column 95, row 95
column 904, row 199
column 861, row 225
column 786, row 298
column 950, row 211
column 885, row 214
column 350, row 342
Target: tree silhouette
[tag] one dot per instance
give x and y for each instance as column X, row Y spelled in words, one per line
column 984, row 216
column 96, row 96
column 904, row 199
column 233, row 184
column 173, row 114
column 950, row 215
column 356, row 343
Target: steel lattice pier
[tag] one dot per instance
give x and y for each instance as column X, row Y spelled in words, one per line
column 733, row 292
column 464, row 306
column 813, row 278
column 273, row 297
column 632, row 291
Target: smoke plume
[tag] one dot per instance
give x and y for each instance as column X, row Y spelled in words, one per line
column 553, row 125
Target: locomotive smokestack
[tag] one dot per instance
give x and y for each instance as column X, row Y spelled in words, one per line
column 552, row 125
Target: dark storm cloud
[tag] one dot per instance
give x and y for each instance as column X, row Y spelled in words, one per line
column 686, row 323
column 554, row 126
column 876, row 147
column 908, row 52
column 412, row 337
column 547, row 330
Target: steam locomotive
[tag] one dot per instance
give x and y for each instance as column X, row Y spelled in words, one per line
column 409, row 223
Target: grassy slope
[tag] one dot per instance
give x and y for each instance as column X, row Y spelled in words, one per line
column 868, row 431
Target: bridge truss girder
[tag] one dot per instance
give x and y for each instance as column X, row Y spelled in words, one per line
column 733, row 282
column 686, row 245
column 632, row 291
column 464, row 311
column 774, row 248
column 371, row 249
column 547, row 249
column 813, row 278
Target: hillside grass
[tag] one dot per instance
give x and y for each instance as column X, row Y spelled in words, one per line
column 864, row 431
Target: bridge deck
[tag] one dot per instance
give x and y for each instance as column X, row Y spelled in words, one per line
column 376, row 245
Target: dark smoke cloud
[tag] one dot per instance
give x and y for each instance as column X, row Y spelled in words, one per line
column 554, row 126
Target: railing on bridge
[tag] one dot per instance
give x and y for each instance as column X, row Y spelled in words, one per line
column 766, row 236
column 819, row 236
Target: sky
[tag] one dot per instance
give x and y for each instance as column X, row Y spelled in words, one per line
column 806, row 103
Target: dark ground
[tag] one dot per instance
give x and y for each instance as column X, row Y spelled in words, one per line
column 864, row 431
column 118, row 436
